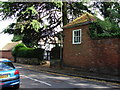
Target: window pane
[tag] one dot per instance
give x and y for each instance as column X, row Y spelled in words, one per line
column 78, row 39
column 75, row 33
column 6, row 66
column 75, row 39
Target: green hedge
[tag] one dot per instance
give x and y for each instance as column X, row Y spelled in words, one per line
column 22, row 51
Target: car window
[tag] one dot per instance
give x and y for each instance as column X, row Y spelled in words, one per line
column 6, row 66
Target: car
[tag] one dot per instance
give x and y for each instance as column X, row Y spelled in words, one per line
column 9, row 75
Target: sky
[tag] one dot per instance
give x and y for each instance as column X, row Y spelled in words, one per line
column 5, row 38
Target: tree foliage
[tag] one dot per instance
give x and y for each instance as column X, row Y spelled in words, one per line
column 109, row 9
column 38, row 20
column 75, row 9
column 103, row 29
column 109, row 27
column 34, row 20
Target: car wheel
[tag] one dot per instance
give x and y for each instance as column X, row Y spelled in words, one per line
column 16, row 86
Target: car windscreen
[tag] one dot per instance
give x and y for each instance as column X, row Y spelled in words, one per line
column 6, row 66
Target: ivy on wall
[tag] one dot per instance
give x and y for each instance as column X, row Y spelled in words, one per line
column 104, row 29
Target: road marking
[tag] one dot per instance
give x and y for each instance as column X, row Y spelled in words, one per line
column 102, row 81
column 37, row 80
column 18, row 67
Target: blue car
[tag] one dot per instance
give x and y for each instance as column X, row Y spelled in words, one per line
column 9, row 76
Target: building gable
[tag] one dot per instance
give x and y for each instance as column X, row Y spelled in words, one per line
column 85, row 18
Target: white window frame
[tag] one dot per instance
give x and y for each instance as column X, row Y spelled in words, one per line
column 73, row 36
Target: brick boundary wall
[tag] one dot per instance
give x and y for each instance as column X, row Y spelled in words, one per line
column 6, row 54
column 101, row 56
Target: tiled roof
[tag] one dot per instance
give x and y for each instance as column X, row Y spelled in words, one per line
column 86, row 17
column 9, row 46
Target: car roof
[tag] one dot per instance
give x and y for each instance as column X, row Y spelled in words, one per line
column 4, row 60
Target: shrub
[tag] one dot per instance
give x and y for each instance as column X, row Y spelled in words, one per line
column 22, row 51
column 15, row 49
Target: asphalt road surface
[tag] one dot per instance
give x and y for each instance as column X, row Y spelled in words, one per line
column 33, row 79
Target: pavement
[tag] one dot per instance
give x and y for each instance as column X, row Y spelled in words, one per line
column 70, row 72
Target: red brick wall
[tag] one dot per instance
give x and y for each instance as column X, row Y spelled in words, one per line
column 6, row 54
column 94, row 55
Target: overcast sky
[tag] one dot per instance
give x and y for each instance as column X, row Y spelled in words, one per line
column 5, row 38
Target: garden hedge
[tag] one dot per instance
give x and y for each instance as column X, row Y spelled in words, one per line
column 22, row 51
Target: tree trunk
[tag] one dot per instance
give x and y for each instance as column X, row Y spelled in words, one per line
column 64, row 13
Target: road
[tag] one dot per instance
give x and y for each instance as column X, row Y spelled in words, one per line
column 33, row 79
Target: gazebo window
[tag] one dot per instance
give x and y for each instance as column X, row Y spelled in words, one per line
column 77, row 36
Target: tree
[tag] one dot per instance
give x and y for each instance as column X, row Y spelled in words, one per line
column 35, row 21
column 109, row 9
column 72, row 10
column 115, row 13
column 110, row 26
column 64, row 12
column 38, row 20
